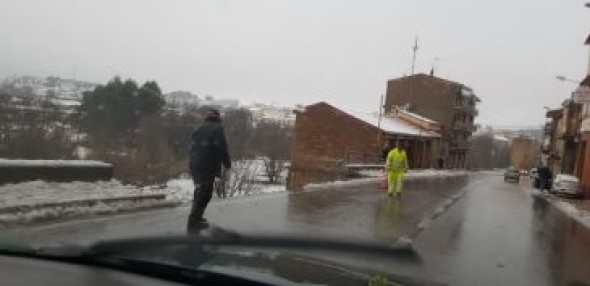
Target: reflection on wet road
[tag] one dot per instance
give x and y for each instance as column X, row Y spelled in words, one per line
column 360, row 212
column 497, row 234
column 500, row 235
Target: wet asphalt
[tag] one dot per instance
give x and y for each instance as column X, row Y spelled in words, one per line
column 362, row 212
column 505, row 234
column 496, row 233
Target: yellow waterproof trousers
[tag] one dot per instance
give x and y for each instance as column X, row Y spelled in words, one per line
column 395, row 181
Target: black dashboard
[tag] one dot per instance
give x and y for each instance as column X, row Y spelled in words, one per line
column 28, row 271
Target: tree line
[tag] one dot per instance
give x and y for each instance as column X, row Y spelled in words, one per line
column 130, row 125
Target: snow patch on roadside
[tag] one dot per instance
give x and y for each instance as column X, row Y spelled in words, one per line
column 378, row 175
column 336, row 184
column 412, row 174
column 70, row 211
column 36, row 201
column 37, row 192
column 52, row 163
column 181, row 190
column 579, row 215
column 42, row 201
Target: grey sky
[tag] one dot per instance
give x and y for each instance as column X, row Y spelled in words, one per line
column 304, row 51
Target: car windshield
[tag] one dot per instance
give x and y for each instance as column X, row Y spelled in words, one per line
column 376, row 123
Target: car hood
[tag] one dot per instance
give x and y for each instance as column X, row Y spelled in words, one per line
column 284, row 268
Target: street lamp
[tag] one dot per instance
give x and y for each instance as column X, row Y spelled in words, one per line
column 563, row 78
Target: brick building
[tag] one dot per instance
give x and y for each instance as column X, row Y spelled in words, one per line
column 567, row 141
column 327, row 138
column 450, row 103
column 523, row 152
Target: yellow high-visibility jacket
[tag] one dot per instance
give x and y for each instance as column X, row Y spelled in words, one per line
column 397, row 161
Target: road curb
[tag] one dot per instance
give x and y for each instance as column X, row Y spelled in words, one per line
column 79, row 209
column 566, row 208
column 81, row 202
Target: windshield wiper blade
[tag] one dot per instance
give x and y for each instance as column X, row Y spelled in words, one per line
column 129, row 245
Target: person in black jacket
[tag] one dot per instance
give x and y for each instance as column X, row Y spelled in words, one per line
column 207, row 155
column 545, row 178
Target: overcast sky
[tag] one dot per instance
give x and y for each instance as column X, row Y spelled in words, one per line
column 304, row 51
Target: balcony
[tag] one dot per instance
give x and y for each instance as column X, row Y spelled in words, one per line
column 464, row 126
column 467, row 107
column 548, row 128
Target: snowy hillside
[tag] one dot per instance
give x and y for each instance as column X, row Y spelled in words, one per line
column 63, row 92
column 265, row 113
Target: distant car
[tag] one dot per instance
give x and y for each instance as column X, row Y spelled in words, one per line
column 511, row 174
column 567, row 185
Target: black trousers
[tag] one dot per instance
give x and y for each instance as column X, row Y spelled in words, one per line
column 201, row 198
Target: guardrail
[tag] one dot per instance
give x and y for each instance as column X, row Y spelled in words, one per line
column 15, row 171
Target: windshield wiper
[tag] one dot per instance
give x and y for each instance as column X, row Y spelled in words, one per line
column 225, row 238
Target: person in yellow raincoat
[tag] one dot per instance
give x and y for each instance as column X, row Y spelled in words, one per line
column 396, row 166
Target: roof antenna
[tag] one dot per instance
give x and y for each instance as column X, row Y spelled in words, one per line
column 415, row 51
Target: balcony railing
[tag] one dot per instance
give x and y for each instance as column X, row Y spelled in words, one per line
column 464, row 126
column 467, row 108
column 547, row 128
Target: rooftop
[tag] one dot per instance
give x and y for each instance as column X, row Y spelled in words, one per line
column 392, row 125
column 465, row 90
column 389, row 125
column 427, row 120
column 423, row 76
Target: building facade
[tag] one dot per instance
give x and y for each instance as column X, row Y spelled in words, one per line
column 567, row 142
column 327, row 139
column 523, row 152
column 451, row 104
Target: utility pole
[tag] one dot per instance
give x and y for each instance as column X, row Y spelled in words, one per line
column 379, row 133
column 415, row 51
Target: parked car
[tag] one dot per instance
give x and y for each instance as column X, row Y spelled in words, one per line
column 511, row 174
column 567, row 185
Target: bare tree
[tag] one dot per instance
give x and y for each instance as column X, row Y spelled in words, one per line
column 239, row 130
column 272, row 142
column 240, row 179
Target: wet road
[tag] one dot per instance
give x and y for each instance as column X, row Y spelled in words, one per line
column 499, row 234
column 496, row 234
column 357, row 212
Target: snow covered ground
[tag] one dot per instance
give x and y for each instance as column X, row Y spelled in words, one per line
column 412, row 174
column 52, row 163
column 36, row 192
column 39, row 200
column 42, row 201
column 575, row 211
column 579, row 210
column 182, row 190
